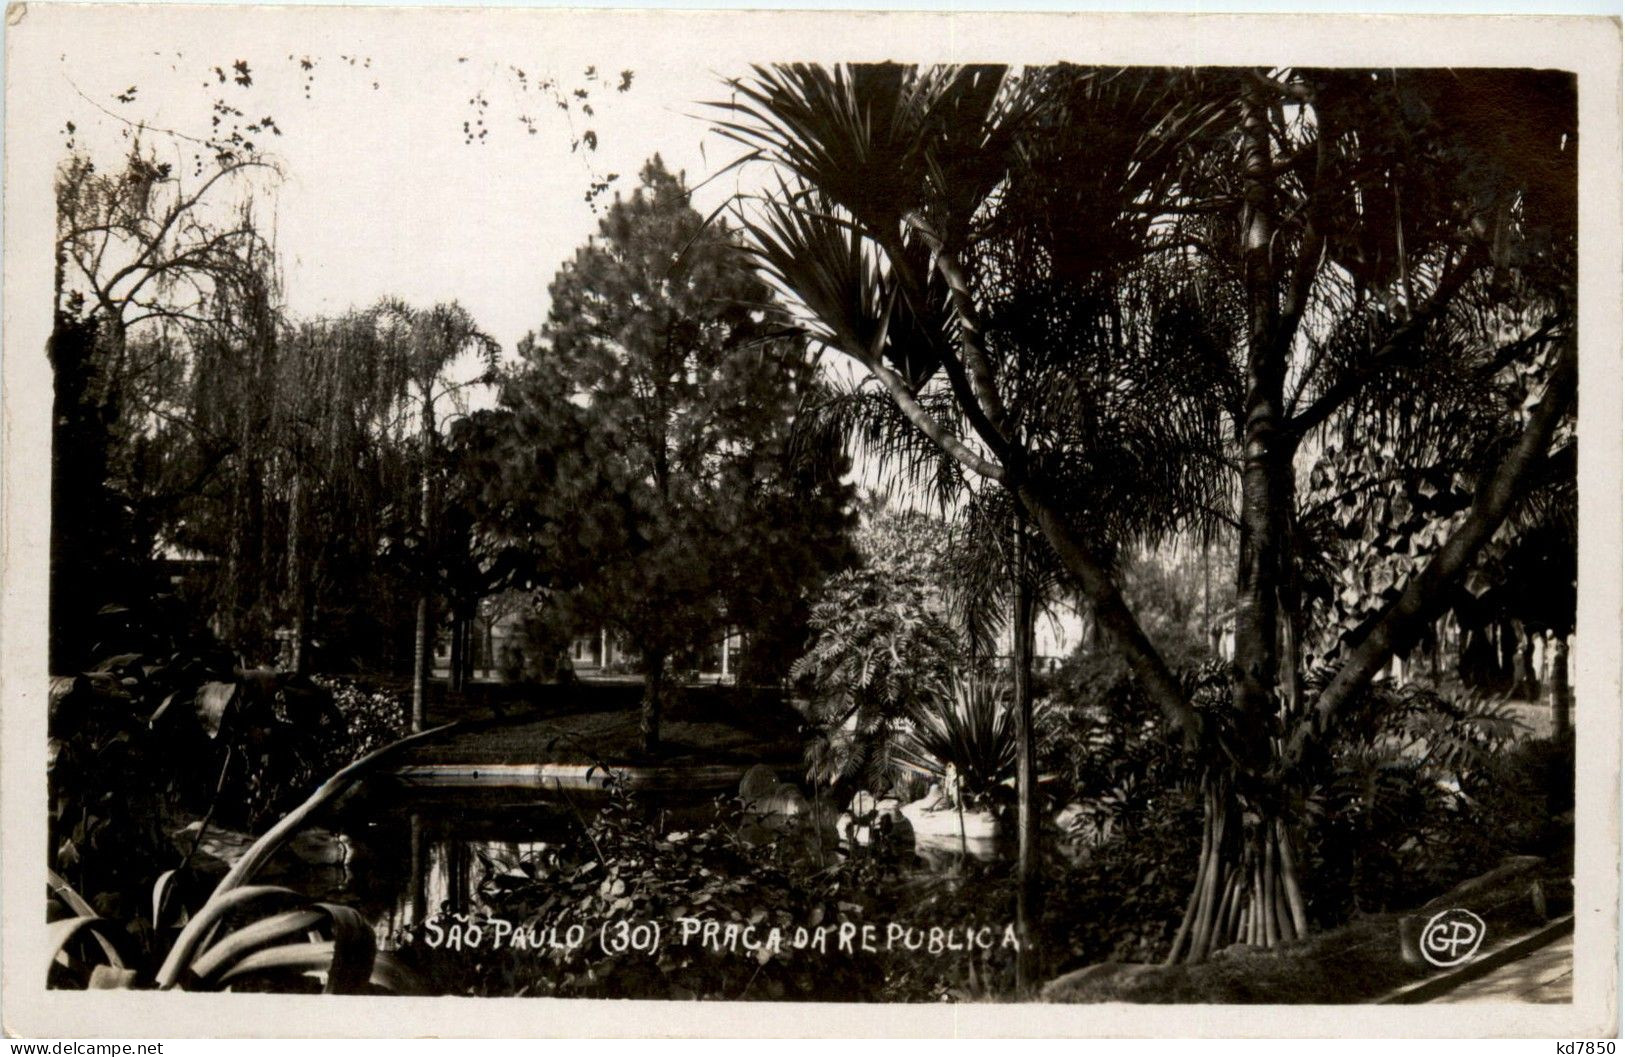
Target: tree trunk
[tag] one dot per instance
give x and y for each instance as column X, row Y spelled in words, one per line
column 654, row 664
column 252, row 569
column 1210, row 634
column 1027, row 852
column 298, row 576
column 420, row 665
column 235, row 566
column 1507, row 640
column 1525, row 683
column 490, row 645
column 422, row 657
column 1561, row 703
column 1402, row 622
column 1267, row 453
column 1111, row 613
column 459, row 649
column 1482, row 659
column 1247, row 886
column 79, row 448
column 470, row 644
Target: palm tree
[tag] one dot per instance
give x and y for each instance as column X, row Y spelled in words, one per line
column 1263, row 198
column 1083, row 385
column 426, row 345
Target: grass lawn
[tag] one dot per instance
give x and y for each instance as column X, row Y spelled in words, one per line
column 600, row 724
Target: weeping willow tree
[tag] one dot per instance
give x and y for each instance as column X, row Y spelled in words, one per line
column 148, row 260
column 328, row 462
column 343, row 441
column 1334, row 231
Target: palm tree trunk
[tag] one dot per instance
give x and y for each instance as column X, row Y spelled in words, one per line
column 420, row 665
column 1267, row 451
column 1247, row 887
column 1242, row 862
column 1027, row 851
column 421, row 657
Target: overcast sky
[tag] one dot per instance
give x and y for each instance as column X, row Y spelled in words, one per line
column 382, row 191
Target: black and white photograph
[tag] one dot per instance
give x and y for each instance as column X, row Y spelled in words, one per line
column 1046, row 516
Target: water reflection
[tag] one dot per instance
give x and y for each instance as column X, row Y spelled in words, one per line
column 412, row 855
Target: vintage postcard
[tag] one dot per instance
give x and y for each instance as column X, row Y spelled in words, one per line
column 534, row 522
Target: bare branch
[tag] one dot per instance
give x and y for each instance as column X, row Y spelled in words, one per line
column 193, row 256
column 182, row 206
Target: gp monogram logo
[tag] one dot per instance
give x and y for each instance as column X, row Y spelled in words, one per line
column 1452, row 937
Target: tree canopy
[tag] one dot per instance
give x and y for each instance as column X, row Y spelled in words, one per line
column 1322, row 249
column 643, row 470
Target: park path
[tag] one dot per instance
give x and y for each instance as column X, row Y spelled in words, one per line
column 1544, row 975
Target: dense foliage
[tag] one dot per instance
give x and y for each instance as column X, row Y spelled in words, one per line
column 164, row 730
column 629, row 865
column 882, row 638
column 1424, row 793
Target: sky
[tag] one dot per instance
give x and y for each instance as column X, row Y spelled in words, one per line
column 382, row 191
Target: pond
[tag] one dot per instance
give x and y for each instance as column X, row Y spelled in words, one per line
column 403, row 854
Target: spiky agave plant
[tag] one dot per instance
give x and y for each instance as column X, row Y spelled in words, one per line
column 964, row 722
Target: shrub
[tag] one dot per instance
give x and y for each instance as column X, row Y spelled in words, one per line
column 1414, row 792
column 242, row 936
column 1121, row 899
column 1396, row 800
column 1108, row 752
column 877, row 642
column 373, row 716
column 134, row 741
